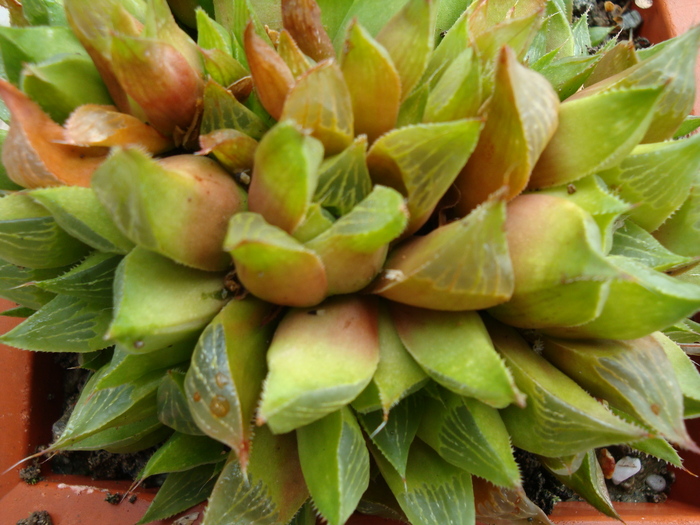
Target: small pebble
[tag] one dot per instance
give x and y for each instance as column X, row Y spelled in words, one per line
column 656, row 483
column 625, row 469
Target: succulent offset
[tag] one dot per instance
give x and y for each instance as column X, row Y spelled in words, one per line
column 346, row 257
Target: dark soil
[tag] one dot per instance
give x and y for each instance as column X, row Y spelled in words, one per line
column 40, row 517
column 540, row 485
column 620, row 15
column 31, row 474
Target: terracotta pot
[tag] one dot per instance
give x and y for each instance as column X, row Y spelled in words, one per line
column 30, row 399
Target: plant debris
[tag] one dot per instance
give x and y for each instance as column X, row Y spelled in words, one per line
column 40, row 517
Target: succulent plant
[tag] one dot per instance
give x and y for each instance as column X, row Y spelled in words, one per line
column 339, row 255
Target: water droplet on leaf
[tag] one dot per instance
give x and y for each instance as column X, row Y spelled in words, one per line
column 221, row 380
column 219, row 406
column 196, row 397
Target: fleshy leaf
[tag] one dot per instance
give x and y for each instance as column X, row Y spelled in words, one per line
column 125, row 366
column 681, row 233
column 469, row 435
column 234, row 150
column 92, row 279
column 499, row 505
column 285, row 175
column 302, row 18
column 588, row 482
column 173, row 409
column 343, row 180
column 433, row 492
column 159, row 302
column 642, row 179
column 642, row 301
column 393, row 434
column 633, row 376
column 182, row 490
column 397, row 375
column 32, row 151
column 560, row 418
column 568, row 74
column 619, row 58
column 455, row 350
column 561, row 276
column 15, row 284
column 182, row 452
column 320, row 102
column 272, row 264
column 64, row 324
column 422, row 162
column 636, row 243
column 576, row 150
column 221, row 110
column 408, row 38
column 225, row 377
column 457, row 94
column 522, row 117
column 272, row 490
column 138, row 192
column 79, row 212
column 123, row 439
column 435, row 271
column 335, row 463
column 354, row 248
column 339, row 337
column 97, row 410
column 686, row 373
column 373, row 82
column 272, row 77
column 93, row 125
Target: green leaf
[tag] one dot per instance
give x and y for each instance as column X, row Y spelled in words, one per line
column 434, row 492
column 575, row 150
column 568, row 74
column 221, row 110
column 457, row 94
column 681, row 233
column 272, row 491
column 123, row 439
column 317, row 221
column 373, row 83
column 343, row 180
column 340, row 337
column 173, row 408
column 642, row 301
column 139, row 191
column 393, row 433
column 64, row 324
column 561, row 276
column 408, row 38
column 44, row 12
column 5, row 182
column 335, row 463
column 635, row 242
column 30, row 236
column 686, row 373
column 369, row 13
column 644, row 179
column 159, row 302
column 422, row 162
column 434, row 271
column 62, row 83
column 397, row 375
column 20, row 311
column 211, row 34
column 560, row 418
column 354, row 248
column 690, row 124
column 18, row 284
column 78, row 211
column 125, row 366
column 455, row 350
column 34, row 44
column 92, row 279
column 591, row 194
column 469, row 435
column 272, row 264
column 517, row 33
column 182, row 490
column 588, row 482
column 182, row 452
column 522, row 117
column 320, row 103
column 234, row 150
column 100, row 409
column 632, row 376
column 285, row 175
column 555, row 33
column 225, row 378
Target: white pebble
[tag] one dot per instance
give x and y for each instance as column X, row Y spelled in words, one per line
column 656, row 483
column 625, row 469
